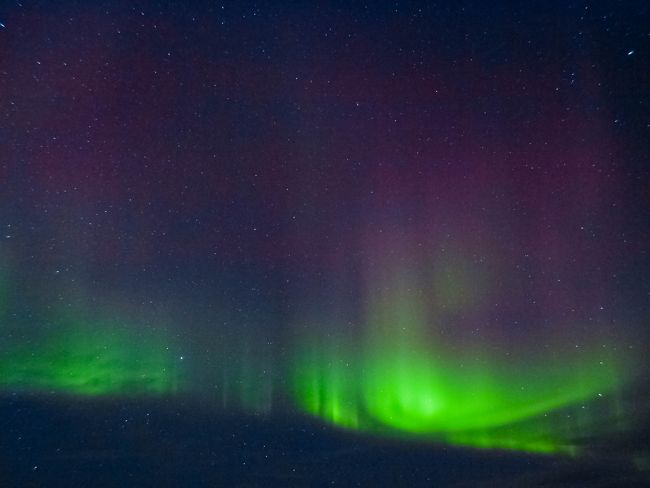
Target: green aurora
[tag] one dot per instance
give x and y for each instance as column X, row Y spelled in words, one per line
column 393, row 376
column 481, row 405
column 90, row 358
column 395, row 379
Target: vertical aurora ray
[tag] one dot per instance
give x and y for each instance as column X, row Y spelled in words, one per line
column 231, row 368
column 246, row 383
column 324, row 384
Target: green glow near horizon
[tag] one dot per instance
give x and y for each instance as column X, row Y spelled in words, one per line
column 90, row 358
column 403, row 380
column 396, row 374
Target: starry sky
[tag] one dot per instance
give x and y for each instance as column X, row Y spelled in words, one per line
column 405, row 219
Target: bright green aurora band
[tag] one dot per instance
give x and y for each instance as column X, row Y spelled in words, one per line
column 399, row 379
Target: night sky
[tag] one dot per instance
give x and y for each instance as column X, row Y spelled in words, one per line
column 246, row 241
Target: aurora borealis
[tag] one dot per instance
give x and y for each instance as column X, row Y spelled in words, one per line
column 404, row 376
column 89, row 360
column 417, row 226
